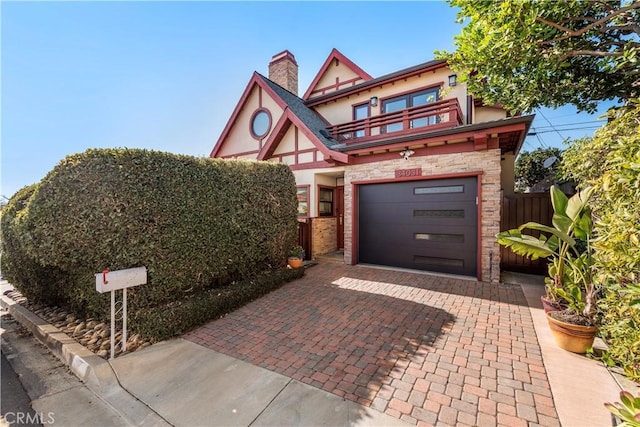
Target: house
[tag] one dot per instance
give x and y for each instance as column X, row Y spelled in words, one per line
column 405, row 170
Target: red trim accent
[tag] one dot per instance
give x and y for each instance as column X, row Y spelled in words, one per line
column 469, row 135
column 253, row 116
column 335, row 54
column 255, row 80
column 390, row 80
column 234, row 155
column 336, row 86
column 354, row 208
column 354, row 223
column 311, row 165
column 462, row 147
column 479, row 208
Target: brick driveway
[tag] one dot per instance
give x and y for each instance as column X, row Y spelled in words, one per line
column 428, row 350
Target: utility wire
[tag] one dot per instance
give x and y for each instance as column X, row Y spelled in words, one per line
column 550, row 124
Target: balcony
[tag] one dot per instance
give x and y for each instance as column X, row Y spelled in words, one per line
column 425, row 118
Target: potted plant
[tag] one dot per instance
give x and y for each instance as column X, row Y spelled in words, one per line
column 627, row 411
column 296, row 257
column 570, row 282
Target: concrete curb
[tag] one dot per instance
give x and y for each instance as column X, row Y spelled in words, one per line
column 95, row 372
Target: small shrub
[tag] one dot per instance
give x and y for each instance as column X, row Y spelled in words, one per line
column 180, row 316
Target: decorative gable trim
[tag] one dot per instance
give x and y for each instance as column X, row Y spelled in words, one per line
column 281, row 128
column 256, row 79
column 335, row 54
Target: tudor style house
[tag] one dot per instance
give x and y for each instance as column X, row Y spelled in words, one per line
column 405, row 170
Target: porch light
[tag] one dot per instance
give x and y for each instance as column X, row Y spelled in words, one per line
column 373, row 101
column 453, row 79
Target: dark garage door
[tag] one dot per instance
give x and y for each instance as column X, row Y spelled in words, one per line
column 425, row 225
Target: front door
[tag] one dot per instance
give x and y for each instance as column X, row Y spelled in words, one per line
column 340, row 215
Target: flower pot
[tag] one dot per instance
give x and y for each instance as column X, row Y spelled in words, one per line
column 551, row 305
column 294, row 262
column 570, row 337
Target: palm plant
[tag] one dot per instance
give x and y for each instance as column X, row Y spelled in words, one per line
column 570, row 270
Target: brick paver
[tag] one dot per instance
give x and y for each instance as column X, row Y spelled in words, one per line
column 427, row 349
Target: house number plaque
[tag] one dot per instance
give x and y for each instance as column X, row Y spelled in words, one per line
column 404, row 173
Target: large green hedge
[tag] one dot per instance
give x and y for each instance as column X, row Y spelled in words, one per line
column 195, row 223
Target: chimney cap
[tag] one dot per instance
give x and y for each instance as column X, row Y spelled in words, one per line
column 285, row 54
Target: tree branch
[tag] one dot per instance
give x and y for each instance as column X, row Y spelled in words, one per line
column 573, row 53
column 576, row 33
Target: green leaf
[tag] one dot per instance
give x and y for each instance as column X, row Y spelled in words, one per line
column 525, row 245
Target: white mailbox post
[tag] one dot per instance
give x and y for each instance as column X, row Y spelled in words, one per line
column 110, row 281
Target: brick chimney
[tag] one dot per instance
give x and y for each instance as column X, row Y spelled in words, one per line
column 283, row 70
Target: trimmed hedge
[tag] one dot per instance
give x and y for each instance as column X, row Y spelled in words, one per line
column 39, row 282
column 180, row 316
column 195, row 223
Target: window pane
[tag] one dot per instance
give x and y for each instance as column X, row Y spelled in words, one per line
column 395, row 105
column 439, row 213
column 260, row 124
column 303, row 205
column 439, row 190
column 424, row 98
column 452, row 238
column 361, row 112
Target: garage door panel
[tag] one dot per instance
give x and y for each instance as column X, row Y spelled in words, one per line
column 430, row 225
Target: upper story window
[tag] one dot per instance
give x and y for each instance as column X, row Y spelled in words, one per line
column 361, row 111
column 407, row 101
column 260, row 123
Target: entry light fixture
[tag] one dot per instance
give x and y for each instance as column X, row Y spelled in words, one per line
column 373, row 101
column 453, row 79
column 407, row 153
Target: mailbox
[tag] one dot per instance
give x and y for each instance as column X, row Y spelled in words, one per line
column 120, row 279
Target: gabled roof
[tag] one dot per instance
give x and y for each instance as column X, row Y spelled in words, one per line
column 295, row 111
column 387, row 78
column 335, row 54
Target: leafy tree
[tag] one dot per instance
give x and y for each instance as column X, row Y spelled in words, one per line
column 526, row 54
column 530, row 169
column 610, row 162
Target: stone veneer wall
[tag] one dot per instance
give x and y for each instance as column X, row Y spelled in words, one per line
column 324, row 235
column 487, row 161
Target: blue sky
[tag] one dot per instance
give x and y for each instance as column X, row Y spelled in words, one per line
column 167, row 75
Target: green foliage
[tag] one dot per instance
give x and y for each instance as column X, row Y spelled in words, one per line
column 297, row 252
column 195, row 224
column 571, row 267
column 41, row 283
column 526, row 54
column 610, row 163
column 178, row 317
column 530, row 170
column 628, row 409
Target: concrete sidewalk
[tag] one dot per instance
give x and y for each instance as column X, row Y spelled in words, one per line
column 188, row 385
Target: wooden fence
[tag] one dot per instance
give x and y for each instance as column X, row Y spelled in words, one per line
column 516, row 210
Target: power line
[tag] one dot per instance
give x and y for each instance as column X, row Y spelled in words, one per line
column 550, row 124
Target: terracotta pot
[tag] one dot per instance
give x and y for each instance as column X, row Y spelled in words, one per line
column 570, row 337
column 294, row 262
column 551, row 305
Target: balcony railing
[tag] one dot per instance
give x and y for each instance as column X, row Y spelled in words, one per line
column 420, row 119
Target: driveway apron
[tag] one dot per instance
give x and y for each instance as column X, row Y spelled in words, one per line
column 429, row 350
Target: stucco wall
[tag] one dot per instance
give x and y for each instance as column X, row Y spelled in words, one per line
column 486, row 161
